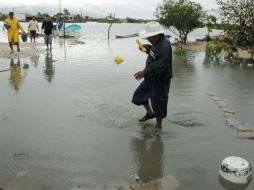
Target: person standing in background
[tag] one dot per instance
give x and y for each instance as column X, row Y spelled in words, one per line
column 32, row 26
column 47, row 27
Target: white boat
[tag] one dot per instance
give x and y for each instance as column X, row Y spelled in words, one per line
column 72, row 30
column 68, row 33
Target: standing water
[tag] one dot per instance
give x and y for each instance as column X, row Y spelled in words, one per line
column 67, row 121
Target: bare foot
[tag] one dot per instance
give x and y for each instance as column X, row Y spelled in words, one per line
column 12, row 51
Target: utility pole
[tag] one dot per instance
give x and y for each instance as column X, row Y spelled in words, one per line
column 60, row 6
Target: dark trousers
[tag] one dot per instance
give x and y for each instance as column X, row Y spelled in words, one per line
column 33, row 33
column 157, row 92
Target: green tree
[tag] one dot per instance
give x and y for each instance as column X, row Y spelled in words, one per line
column 59, row 15
column 39, row 14
column 210, row 24
column 78, row 17
column 44, row 14
column 66, row 12
column 181, row 17
column 130, row 20
column 238, row 17
column 251, row 37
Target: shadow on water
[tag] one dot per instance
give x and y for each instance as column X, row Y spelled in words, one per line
column 49, row 69
column 148, row 154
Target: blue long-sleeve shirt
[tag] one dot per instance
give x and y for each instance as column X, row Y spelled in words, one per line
column 159, row 61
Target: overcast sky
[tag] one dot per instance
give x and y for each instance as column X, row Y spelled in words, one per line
column 122, row 8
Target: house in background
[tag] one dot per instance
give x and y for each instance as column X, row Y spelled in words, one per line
column 20, row 16
column 70, row 18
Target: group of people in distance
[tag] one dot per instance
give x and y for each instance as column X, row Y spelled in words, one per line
column 13, row 26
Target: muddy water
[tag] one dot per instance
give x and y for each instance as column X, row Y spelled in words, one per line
column 67, row 121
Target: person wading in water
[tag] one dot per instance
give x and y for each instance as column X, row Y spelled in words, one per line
column 48, row 28
column 156, row 75
column 13, row 26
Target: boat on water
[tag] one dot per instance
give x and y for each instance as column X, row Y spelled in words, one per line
column 72, row 30
column 127, row 36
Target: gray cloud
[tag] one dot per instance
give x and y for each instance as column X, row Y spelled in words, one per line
column 122, row 8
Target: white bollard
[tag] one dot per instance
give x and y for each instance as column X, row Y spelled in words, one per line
column 236, row 170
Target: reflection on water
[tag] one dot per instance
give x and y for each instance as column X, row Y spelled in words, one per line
column 183, row 65
column 35, row 59
column 231, row 186
column 149, row 157
column 49, row 70
column 15, row 74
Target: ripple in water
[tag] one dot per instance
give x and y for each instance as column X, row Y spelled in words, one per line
column 188, row 119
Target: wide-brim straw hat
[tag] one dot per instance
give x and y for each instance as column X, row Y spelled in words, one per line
column 151, row 29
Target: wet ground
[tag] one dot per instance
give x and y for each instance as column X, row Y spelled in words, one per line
column 67, row 121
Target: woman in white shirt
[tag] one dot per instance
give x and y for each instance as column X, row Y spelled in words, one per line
column 32, row 28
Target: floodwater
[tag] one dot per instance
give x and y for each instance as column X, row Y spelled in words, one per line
column 67, row 121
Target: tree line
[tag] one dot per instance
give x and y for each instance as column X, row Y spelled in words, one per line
column 236, row 19
column 79, row 17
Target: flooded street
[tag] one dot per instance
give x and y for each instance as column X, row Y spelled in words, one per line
column 68, row 121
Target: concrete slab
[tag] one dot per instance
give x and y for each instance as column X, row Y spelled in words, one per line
column 222, row 104
column 233, row 122
column 243, row 128
column 215, row 98
column 228, row 110
column 246, row 135
column 211, row 94
column 229, row 115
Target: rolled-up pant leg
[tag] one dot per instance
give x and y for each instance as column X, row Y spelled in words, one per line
column 142, row 94
column 159, row 99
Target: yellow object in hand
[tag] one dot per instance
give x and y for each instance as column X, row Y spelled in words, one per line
column 118, row 60
column 141, row 47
